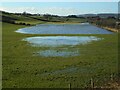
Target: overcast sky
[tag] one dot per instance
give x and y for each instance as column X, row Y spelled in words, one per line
column 60, row 8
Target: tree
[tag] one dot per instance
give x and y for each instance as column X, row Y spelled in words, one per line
column 47, row 16
column 72, row 16
column 24, row 13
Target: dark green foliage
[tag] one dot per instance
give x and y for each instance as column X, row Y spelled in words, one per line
column 72, row 16
column 8, row 19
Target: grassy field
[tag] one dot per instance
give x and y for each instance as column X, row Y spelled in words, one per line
column 35, row 19
column 98, row 61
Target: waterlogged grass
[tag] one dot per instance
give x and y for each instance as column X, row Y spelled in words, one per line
column 98, row 60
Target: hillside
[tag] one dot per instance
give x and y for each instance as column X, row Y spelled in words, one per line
column 31, row 19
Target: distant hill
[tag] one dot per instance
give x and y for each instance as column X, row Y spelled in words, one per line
column 106, row 15
column 101, row 15
column 32, row 19
column 17, row 18
column 87, row 15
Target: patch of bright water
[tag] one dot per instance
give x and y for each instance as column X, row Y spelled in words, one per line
column 83, row 28
column 57, row 41
column 59, row 46
column 56, row 53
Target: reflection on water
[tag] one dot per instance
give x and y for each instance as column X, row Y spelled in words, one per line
column 56, row 41
column 83, row 28
column 59, row 46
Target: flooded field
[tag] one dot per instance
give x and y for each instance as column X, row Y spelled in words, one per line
column 83, row 28
column 63, row 46
column 55, row 61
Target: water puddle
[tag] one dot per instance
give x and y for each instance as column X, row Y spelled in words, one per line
column 82, row 28
column 57, row 41
column 59, row 46
column 56, row 53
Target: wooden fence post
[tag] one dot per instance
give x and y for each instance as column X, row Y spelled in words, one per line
column 92, row 83
column 69, row 86
column 111, row 77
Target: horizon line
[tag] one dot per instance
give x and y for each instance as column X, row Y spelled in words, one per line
column 59, row 15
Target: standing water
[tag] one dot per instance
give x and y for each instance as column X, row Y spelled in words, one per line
column 59, row 46
column 55, row 44
column 84, row 28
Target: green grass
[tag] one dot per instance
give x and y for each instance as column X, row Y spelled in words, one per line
column 98, row 60
column 27, row 20
column 23, row 19
column 33, row 20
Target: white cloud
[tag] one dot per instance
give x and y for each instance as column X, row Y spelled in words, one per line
column 43, row 10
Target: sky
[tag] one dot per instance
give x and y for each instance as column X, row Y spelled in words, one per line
column 60, row 8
